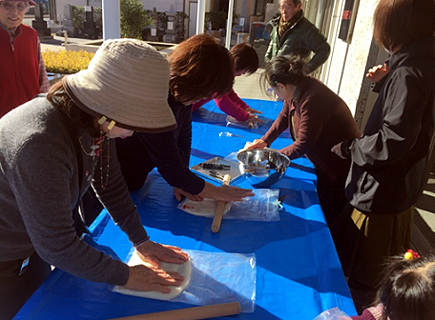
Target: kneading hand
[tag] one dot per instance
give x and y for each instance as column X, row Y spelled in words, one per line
column 257, row 144
column 152, row 279
column 229, row 193
column 179, row 193
column 153, row 253
column 225, row 193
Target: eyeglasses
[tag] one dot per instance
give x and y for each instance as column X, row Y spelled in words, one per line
column 22, row 6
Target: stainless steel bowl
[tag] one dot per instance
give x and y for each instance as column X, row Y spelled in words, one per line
column 262, row 167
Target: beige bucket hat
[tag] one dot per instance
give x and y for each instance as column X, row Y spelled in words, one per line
column 127, row 82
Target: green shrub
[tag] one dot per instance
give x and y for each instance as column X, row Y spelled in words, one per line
column 134, row 19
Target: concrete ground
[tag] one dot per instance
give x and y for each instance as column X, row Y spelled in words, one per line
column 423, row 237
column 249, row 87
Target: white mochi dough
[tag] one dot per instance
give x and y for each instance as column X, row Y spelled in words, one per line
column 183, row 269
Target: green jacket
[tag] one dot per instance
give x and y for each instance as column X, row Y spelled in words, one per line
column 302, row 38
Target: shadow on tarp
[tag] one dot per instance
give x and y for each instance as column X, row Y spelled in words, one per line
column 297, row 229
column 220, row 119
column 202, row 154
column 302, row 167
column 294, row 226
column 63, row 296
column 270, row 109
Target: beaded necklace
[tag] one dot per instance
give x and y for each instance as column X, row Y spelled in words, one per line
column 97, row 152
column 104, row 183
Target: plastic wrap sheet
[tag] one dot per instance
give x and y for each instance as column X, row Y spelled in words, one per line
column 231, row 121
column 264, row 206
column 219, row 277
column 332, row 314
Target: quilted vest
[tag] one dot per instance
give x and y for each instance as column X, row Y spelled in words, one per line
column 19, row 68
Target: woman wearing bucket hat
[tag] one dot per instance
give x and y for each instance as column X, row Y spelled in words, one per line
column 67, row 135
column 200, row 67
column 22, row 67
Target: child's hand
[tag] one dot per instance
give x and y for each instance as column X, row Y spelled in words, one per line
column 377, row 73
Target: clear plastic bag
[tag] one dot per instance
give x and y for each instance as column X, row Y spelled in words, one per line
column 332, row 314
column 264, row 206
column 231, row 121
column 220, row 277
column 203, row 208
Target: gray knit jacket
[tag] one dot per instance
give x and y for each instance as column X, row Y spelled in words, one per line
column 39, row 187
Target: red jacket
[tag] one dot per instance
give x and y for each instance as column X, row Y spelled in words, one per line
column 19, row 65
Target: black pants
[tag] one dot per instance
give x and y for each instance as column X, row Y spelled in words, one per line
column 135, row 161
column 331, row 198
column 90, row 208
column 15, row 289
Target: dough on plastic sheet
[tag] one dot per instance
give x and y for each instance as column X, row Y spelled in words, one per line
column 183, row 269
column 204, row 208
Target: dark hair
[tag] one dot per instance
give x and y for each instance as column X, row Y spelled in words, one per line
column 245, row 58
column 199, row 68
column 58, row 96
column 407, row 290
column 398, row 22
column 288, row 69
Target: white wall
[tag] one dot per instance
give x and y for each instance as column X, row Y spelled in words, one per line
column 345, row 69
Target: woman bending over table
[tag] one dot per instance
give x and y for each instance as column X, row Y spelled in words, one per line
column 53, row 148
column 245, row 62
column 199, row 68
column 317, row 119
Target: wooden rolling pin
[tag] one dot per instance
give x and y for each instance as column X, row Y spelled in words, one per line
column 195, row 313
column 220, row 207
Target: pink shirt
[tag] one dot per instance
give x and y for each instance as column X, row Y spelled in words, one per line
column 230, row 103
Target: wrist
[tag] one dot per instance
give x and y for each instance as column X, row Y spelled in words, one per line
column 345, row 148
column 141, row 242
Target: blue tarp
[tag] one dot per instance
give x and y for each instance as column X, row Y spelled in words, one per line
column 297, row 268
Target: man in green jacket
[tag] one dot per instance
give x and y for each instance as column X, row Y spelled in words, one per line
column 292, row 33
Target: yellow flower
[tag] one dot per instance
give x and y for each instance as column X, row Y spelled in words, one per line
column 66, row 62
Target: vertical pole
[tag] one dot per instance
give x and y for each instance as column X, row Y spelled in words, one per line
column 111, row 19
column 200, row 17
column 229, row 23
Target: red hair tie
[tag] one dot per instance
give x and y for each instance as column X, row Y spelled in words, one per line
column 411, row 255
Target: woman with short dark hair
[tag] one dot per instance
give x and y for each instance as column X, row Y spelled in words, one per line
column 390, row 162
